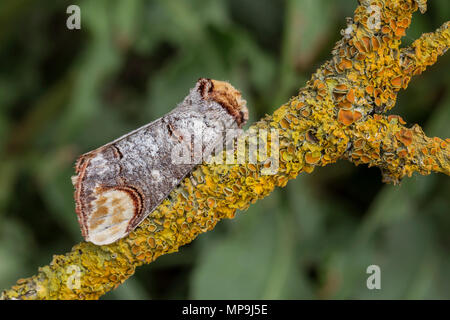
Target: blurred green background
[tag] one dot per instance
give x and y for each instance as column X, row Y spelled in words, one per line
column 65, row 92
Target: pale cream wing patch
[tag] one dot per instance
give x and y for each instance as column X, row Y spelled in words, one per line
column 112, row 212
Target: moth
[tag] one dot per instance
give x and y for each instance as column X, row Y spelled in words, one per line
column 119, row 184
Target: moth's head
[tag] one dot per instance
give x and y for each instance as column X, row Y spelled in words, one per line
column 226, row 95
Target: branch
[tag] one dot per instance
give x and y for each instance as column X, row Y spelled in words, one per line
column 385, row 143
column 337, row 115
column 425, row 51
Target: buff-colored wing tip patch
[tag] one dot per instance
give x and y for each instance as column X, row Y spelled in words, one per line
column 111, row 200
column 112, row 212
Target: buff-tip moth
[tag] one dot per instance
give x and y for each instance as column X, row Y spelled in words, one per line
column 119, row 184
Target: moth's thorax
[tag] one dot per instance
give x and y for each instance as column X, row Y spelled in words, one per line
column 122, row 182
column 227, row 96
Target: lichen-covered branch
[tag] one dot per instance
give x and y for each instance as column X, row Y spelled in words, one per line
column 386, row 143
column 338, row 114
